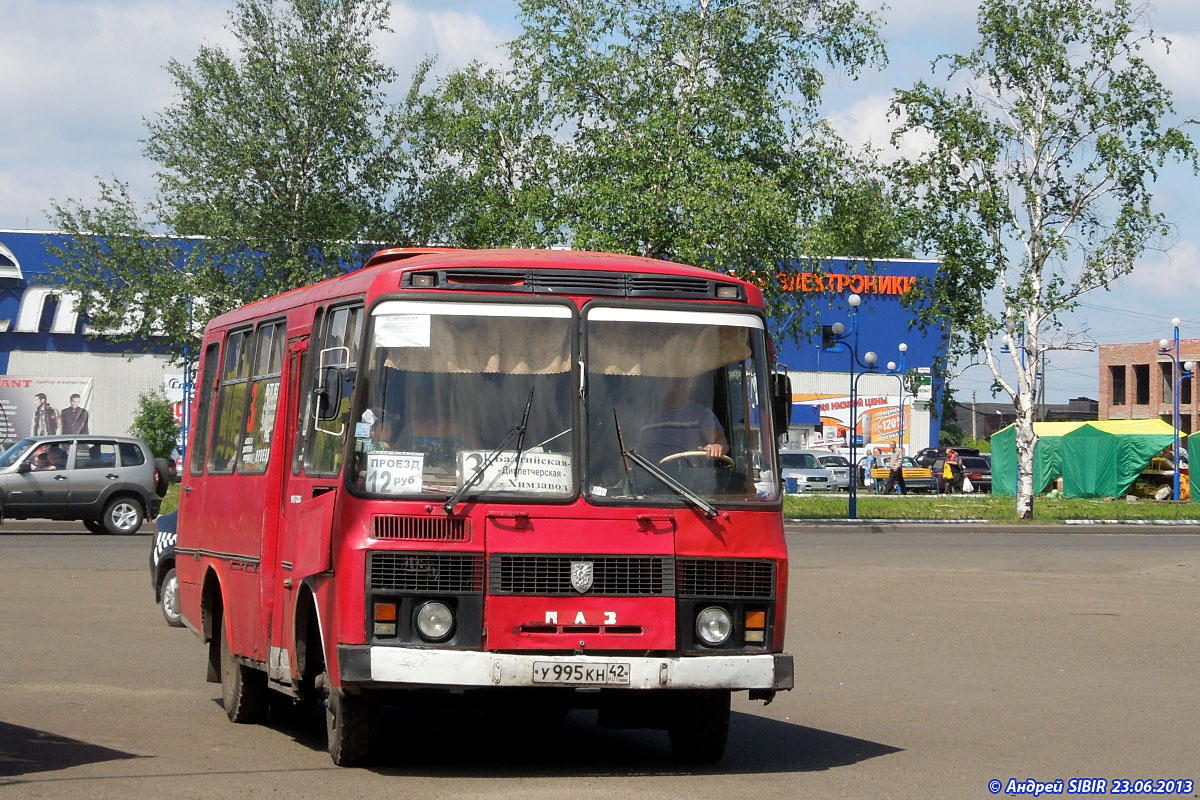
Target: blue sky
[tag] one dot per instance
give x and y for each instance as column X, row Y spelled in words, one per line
column 78, row 77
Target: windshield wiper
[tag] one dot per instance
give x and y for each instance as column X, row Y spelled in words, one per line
column 521, row 437
column 691, row 498
column 516, row 430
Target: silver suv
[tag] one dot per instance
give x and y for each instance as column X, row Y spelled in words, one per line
column 111, row 483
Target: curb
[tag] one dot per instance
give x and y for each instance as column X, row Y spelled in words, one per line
column 1131, row 522
column 1050, row 523
column 878, row 521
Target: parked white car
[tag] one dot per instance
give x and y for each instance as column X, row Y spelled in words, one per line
column 802, row 472
column 838, row 464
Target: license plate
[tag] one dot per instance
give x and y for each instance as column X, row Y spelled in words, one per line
column 566, row 673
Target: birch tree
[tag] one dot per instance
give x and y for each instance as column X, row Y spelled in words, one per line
column 1036, row 188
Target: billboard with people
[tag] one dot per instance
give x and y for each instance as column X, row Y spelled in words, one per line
column 44, row 406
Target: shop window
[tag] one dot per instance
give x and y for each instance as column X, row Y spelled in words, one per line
column 1118, row 384
column 1141, row 384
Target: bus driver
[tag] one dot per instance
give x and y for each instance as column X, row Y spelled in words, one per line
column 682, row 425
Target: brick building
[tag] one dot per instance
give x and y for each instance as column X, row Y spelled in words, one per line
column 981, row 420
column 1135, row 383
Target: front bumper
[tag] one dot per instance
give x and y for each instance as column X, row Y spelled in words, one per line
column 411, row 667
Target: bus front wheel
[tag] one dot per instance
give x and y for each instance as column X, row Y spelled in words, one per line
column 699, row 726
column 350, row 723
column 243, row 689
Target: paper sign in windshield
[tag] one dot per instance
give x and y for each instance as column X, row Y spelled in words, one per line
column 402, row 330
column 391, row 472
column 539, row 472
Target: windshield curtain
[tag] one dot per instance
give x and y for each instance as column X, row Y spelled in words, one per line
column 445, row 383
column 688, row 392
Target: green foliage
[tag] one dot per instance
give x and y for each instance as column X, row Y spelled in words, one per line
column 279, row 153
column 982, row 507
column 677, row 130
column 155, row 423
column 684, row 131
column 982, row 445
column 1036, row 187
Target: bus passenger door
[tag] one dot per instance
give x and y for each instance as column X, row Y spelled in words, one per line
column 280, row 665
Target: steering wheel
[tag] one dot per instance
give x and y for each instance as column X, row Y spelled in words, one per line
column 692, row 453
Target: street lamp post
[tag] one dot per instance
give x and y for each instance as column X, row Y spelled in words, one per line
column 899, row 373
column 842, row 339
column 1177, row 375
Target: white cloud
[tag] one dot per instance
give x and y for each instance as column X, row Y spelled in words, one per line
column 453, row 37
column 81, row 76
column 867, row 123
column 1178, row 65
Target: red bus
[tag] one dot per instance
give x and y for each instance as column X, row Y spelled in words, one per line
column 548, row 476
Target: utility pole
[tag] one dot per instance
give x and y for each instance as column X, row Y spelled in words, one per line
column 973, row 417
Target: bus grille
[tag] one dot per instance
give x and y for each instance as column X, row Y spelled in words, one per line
column 422, row 529
column 735, row 580
column 629, row 576
column 451, row 573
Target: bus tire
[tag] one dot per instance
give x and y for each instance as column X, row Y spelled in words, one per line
column 243, row 689
column 162, row 477
column 123, row 515
column 350, row 722
column 699, row 726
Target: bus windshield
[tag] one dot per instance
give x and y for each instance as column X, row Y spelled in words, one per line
column 447, row 383
column 685, row 391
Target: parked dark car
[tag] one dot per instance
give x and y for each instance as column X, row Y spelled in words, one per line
column 928, row 455
column 979, row 470
column 111, row 483
column 162, row 571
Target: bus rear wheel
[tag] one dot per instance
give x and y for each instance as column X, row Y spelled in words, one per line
column 350, row 722
column 243, row 689
column 699, row 726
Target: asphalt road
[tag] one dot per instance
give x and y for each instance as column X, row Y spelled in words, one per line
column 929, row 661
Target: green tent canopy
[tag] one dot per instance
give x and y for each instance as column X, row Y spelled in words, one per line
column 1103, row 459
column 1047, row 464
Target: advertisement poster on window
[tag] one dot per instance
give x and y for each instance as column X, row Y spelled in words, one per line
column 173, row 389
column 44, row 407
column 878, row 420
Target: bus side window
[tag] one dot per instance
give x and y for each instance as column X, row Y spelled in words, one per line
column 264, row 398
column 336, row 346
column 207, row 391
column 231, row 403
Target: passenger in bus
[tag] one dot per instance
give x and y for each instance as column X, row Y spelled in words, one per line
column 682, row 425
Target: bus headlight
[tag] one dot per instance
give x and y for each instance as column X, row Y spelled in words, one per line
column 713, row 626
column 435, row 621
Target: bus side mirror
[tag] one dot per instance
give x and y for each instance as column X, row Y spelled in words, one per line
column 781, row 401
column 327, row 397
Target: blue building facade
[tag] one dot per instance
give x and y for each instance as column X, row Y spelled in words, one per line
column 819, row 294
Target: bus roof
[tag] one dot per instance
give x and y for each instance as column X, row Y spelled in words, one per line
column 388, row 266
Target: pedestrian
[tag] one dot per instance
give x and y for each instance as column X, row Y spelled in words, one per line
column 45, row 418
column 896, row 476
column 74, row 418
column 953, row 471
